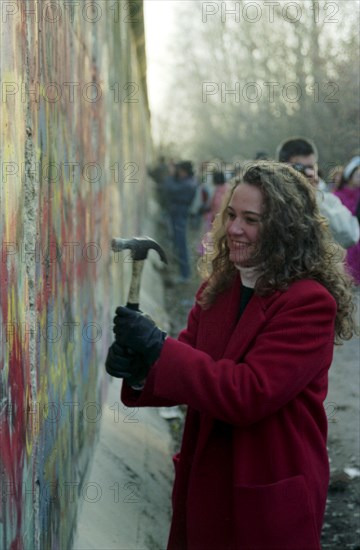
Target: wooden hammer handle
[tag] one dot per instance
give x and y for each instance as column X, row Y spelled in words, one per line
column 134, row 292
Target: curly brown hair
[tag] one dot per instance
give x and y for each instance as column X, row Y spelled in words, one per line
column 295, row 243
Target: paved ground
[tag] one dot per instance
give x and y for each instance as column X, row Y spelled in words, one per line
column 342, row 522
column 133, row 468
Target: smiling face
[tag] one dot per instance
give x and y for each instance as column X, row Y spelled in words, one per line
column 243, row 225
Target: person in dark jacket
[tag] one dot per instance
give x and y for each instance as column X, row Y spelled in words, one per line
column 180, row 192
column 252, row 366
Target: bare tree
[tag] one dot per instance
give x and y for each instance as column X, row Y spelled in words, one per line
column 245, row 81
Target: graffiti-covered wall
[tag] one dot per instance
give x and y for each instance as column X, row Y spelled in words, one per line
column 75, row 143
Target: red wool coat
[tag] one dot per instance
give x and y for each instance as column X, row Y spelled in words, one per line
column 253, row 468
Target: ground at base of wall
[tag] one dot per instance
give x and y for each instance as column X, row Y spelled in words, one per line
column 131, row 475
column 341, row 529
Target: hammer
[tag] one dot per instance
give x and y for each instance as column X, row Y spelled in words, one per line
column 139, row 248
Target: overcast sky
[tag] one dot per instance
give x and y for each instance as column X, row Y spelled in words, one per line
column 159, row 25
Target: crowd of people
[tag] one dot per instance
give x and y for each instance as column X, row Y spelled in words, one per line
column 193, row 199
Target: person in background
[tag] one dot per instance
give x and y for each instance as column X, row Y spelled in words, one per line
column 221, row 188
column 262, row 155
column 201, row 202
column 334, row 177
column 159, row 174
column 301, row 154
column 349, row 194
column 322, row 185
column 180, row 192
column 252, row 366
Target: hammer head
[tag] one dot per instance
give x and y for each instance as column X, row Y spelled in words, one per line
column 138, row 246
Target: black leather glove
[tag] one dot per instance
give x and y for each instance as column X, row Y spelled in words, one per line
column 121, row 364
column 138, row 332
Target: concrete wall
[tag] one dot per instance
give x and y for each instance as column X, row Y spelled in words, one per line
column 75, row 142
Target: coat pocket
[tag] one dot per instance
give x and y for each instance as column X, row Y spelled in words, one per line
column 274, row 517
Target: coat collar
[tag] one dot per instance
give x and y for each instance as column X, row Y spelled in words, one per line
column 234, row 336
column 246, row 328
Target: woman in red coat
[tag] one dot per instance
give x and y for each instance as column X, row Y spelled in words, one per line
column 252, row 366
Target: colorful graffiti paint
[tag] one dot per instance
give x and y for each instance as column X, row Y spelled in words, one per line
column 75, row 142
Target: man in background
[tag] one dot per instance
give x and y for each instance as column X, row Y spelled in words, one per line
column 302, row 154
column 180, row 192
